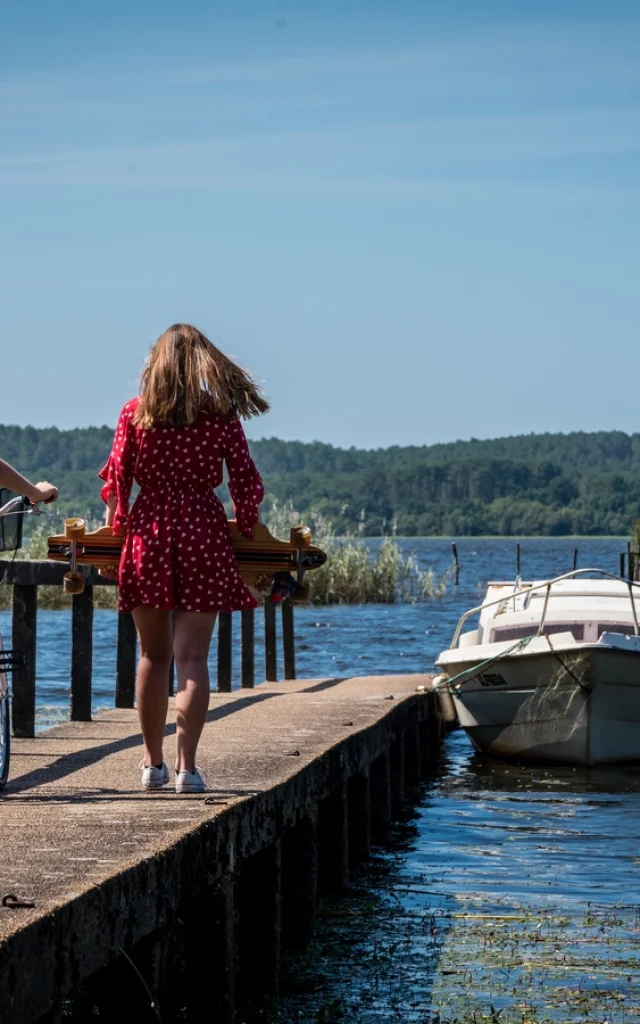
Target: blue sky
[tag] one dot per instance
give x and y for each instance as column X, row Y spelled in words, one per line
column 414, row 222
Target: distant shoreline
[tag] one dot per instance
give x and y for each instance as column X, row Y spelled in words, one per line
column 516, row 538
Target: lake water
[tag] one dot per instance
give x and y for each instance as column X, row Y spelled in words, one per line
column 510, row 894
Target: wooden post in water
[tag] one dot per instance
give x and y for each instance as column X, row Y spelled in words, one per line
column 172, row 668
column 248, row 623
column 288, row 643
column 270, row 660
column 575, row 559
column 81, row 654
column 25, row 603
column 456, row 565
column 635, row 546
column 629, row 561
column 224, row 652
column 172, row 678
column 126, row 661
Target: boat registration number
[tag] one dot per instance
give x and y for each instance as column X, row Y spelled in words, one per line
column 491, row 679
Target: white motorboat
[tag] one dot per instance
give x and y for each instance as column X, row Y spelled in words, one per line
column 552, row 671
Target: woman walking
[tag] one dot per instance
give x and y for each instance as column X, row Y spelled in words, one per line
column 178, row 569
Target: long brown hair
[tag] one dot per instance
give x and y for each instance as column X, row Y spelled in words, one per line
column 187, row 377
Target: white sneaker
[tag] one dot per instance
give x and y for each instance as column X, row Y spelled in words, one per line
column 190, row 782
column 154, row 778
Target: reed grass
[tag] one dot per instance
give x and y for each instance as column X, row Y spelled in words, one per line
column 358, row 571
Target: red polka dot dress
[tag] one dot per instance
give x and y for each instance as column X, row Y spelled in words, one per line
column 177, row 550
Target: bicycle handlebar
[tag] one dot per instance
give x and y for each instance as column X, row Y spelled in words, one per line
column 20, row 499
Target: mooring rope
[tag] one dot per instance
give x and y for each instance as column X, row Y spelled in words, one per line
column 519, row 646
column 566, row 668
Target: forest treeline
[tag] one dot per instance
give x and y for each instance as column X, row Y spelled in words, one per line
column 537, row 484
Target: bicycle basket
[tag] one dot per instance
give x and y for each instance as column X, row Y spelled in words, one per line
column 11, row 525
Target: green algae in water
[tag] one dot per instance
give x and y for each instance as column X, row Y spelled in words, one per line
column 544, row 966
column 512, row 965
column 508, row 897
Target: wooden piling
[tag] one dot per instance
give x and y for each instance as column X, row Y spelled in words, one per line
column 81, row 655
column 299, row 882
column 172, row 668
column 224, row 652
column 288, row 642
column 333, row 843
column 456, row 565
column 359, row 817
column 396, row 774
column 259, row 932
column 248, row 658
column 126, row 661
column 380, row 798
column 412, row 755
column 209, row 955
column 270, row 665
column 25, row 606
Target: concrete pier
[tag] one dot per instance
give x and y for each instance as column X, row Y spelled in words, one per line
column 153, row 903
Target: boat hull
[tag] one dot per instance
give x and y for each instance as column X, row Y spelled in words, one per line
column 579, row 706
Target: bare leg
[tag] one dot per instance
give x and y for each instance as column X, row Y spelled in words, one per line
column 156, row 644
column 192, row 638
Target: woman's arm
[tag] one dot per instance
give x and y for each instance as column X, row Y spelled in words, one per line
column 111, row 504
column 118, row 471
column 14, row 481
column 245, row 483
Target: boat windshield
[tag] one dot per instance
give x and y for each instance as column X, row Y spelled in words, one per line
column 531, row 629
column 626, row 628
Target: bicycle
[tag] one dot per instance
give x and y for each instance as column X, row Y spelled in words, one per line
column 10, row 540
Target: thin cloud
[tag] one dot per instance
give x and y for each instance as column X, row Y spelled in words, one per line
column 429, row 188
column 460, row 140
column 609, row 45
column 301, row 67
